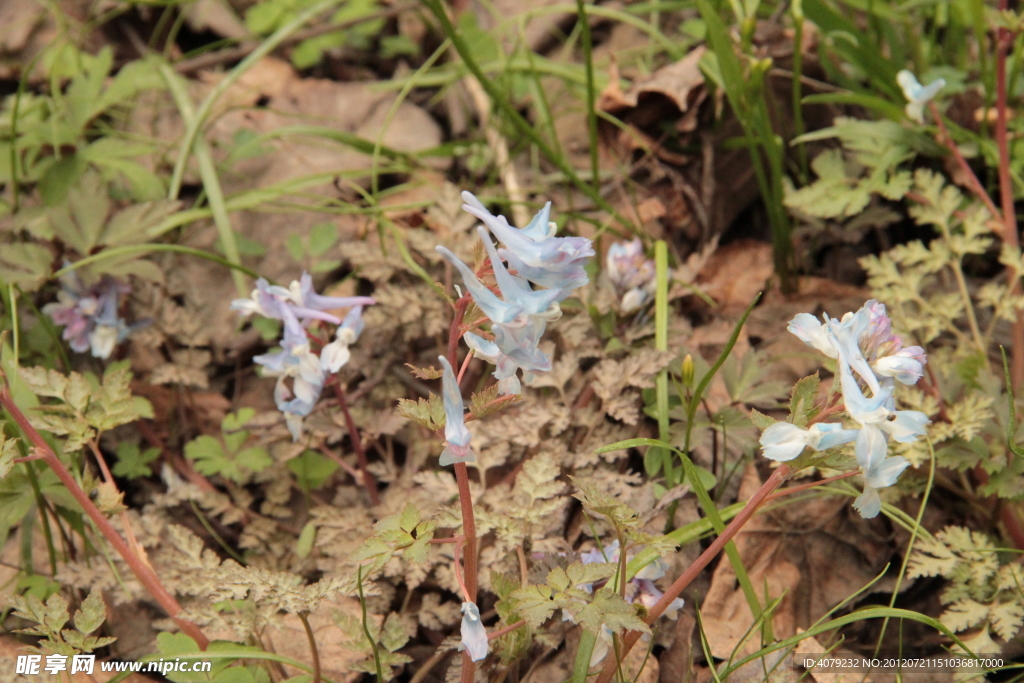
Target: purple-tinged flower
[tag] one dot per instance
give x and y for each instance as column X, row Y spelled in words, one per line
column 541, row 303
column 456, row 434
column 862, row 343
column 917, row 95
column 474, row 635
column 89, row 315
column 296, row 362
column 295, row 306
column 269, row 301
column 631, row 273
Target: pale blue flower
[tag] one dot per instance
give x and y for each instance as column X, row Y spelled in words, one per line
column 474, row 635
column 516, row 290
column 296, row 362
column 867, row 351
column 490, row 303
column 456, row 434
column 536, row 254
column 917, row 95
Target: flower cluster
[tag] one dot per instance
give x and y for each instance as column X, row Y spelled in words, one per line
column 640, row 589
column 917, row 95
column 296, row 306
column 870, row 357
column 520, row 314
column 89, row 315
column 631, row 273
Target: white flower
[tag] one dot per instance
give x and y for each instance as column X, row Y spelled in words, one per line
column 784, row 441
column 917, row 95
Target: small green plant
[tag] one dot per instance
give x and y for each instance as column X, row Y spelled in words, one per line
column 228, row 456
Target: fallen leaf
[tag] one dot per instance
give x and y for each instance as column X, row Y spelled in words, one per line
column 735, row 273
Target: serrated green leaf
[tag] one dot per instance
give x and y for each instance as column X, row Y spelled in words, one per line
column 92, row 613
column 801, row 404
column 535, row 604
column 760, row 420
column 428, row 412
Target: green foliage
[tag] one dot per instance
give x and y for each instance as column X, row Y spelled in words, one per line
column 133, row 463
column 312, row 469
column 605, row 506
column 404, row 531
column 515, row 644
column 8, row 452
column 801, row 404
column 984, row 597
column 428, row 412
column 844, row 188
column 228, row 456
column 86, row 406
column 390, row 636
column 563, row 590
column 310, row 250
column 51, row 617
column 266, row 17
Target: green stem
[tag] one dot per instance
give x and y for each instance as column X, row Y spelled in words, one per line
column 588, row 64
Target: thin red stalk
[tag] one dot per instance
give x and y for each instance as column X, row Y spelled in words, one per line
column 691, row 573
column 508, row 629
column 972, row 180
column 1003, row 41
column 143, row 572
column 465, row 498
column 811, row 485
column 369, row 483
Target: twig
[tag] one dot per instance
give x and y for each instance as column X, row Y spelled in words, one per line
column 972, row 180
column 369, row 483
column 508, row 629
column 145, row 574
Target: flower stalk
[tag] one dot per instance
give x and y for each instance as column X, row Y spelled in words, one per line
column 694, row 570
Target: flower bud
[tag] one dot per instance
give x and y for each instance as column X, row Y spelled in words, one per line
column 687, row 371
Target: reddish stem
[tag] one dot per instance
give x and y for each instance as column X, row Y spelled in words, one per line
column 810, row 485
column 1004, row 39
column 508, row 629
column 687, row 577
column 143, row 572
column 369, row 483
column 972, row 179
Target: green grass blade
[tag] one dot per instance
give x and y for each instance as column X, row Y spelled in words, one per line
column 582, row 664
column 208, row 174
column 266, row 47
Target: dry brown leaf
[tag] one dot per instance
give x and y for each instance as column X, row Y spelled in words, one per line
column 735, row 273
column 813, row 554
